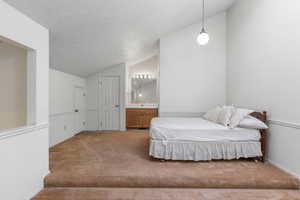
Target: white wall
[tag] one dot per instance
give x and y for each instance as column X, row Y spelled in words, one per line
column 13, row 86
column 24, row 152
column 192, row 77
column 24, row 162
column 148, row 66
column 93, row 96
column 263, row 70
column 62, row 115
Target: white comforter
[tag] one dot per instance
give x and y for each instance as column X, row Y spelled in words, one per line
column 198, row 129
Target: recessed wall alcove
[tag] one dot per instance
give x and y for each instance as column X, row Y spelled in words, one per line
column 17, row 78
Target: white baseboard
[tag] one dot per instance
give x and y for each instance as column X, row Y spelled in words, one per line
column 284, row 169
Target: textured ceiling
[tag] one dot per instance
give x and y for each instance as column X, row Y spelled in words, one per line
column 87, row 35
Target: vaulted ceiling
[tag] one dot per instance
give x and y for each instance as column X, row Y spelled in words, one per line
column 87, row 35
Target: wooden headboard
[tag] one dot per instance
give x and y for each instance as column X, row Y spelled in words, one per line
column 262, row 116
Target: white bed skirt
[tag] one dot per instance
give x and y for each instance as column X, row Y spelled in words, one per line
column 204, row 151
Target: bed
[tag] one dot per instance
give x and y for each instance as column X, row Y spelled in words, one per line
column 196, row 139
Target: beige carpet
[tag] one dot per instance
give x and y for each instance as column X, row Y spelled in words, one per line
column 120, row 159
column 164, row 194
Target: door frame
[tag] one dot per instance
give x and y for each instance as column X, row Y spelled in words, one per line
column 100, row 105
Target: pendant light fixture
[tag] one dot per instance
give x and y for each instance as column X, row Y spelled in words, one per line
column 203, row 37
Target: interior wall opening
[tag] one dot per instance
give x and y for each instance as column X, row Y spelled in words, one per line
column 17, row 85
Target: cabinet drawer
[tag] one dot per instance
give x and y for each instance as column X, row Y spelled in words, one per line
column 132, row 119
column 140, row 118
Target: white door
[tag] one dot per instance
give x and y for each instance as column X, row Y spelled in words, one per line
column 110, row 103
column 79, row 109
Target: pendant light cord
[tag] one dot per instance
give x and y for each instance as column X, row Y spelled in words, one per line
column 203, row 14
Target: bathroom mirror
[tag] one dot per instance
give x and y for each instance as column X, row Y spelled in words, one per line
column 144, row 91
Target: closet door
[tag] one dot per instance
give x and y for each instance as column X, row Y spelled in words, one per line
column 79, row 109
column 110, row 103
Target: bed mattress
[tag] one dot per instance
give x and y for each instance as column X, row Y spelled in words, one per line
column 200, row 140
column 198, row 129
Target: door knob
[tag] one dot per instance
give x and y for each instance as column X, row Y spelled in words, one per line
column 76, row 110
column 117, row 106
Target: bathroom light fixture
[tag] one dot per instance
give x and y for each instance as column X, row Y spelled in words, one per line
column 143, row 76
column 203, row 37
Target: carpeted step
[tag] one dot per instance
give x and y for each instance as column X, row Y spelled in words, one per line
column 164, row 194
column 121, row 160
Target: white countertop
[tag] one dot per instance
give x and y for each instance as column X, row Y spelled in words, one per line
column 142, row 106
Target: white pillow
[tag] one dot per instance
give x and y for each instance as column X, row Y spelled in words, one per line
column 252, row 123
column 225, row 115
column 213, row 115
column 238, row 115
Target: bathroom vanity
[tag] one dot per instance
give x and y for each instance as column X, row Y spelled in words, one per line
column 140, row 118
column 142, row 94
